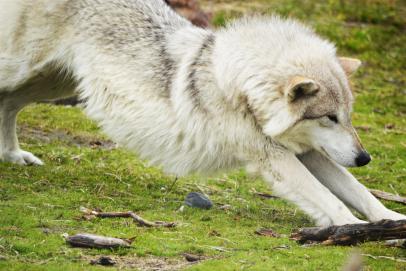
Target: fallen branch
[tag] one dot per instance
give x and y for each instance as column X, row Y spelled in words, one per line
column 387, row 196
column 89, row 214
column 96, row 241
column 352, row 233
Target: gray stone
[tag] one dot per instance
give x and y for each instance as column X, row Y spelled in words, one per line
column 198, row 200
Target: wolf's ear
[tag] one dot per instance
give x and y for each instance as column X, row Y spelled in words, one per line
column 300, row 88
column 350, row 65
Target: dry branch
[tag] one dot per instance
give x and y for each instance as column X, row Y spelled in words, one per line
column 96, row 241
column 139, row 220
column 352, row 233
column 387, row 196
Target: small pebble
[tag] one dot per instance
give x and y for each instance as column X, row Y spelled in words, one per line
column 192, row 258
column 225, row 207
column 198, row 200
column 181, row 209
column 46, row 230
column 103, row 260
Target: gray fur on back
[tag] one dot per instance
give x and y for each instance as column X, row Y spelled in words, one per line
column 134, row 31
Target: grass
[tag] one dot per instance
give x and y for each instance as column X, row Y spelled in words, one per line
column 38, row 204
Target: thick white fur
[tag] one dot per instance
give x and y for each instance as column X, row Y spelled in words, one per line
column 232, row 110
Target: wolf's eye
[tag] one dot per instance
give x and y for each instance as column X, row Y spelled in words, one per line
column 333, row 118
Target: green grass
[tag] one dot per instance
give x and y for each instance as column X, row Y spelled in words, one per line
column 38, row 204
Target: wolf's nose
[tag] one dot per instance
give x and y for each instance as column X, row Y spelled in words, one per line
column 362, row 159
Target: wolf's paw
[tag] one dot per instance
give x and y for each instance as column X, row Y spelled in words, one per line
column 327, row 221
column 21, row 157
column 389, row 214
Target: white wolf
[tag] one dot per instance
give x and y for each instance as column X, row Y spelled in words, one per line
column 263, row 92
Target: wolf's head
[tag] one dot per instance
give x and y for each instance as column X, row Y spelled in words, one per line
column 295, row 86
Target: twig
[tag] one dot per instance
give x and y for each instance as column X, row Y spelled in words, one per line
column 267, row 232
column 402, row 260
column 172, row 185
column 388, row 196
column 352, row 233
column 265, row 195
column 142, row 222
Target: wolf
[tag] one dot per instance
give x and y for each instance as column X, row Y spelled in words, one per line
column 264, row 93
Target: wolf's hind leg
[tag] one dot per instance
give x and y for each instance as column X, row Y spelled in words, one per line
column 9, row 148
column 344, row 185
column 291, row 180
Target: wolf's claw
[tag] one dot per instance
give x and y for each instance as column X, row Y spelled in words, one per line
column 21, row 157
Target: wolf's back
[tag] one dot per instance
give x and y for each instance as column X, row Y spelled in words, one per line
column 18, row 17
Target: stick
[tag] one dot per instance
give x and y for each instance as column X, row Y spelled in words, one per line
column 376, row 257
column 265, row 195
column 96, row 241
column 351, row 234
column 142, row 222
column 387, row 196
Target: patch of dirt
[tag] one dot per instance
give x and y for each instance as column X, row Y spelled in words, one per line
column 150, row 263
column 59, row 135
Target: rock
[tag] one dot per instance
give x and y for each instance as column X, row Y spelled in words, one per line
column 103, row 260
column 181, row 209
column 226, row 207
column 192, row 258
column 46, row 230
column 198, row 200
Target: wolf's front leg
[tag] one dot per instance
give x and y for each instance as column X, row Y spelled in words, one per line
column 346, row 187
column 291, row 180
column 9, row 149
